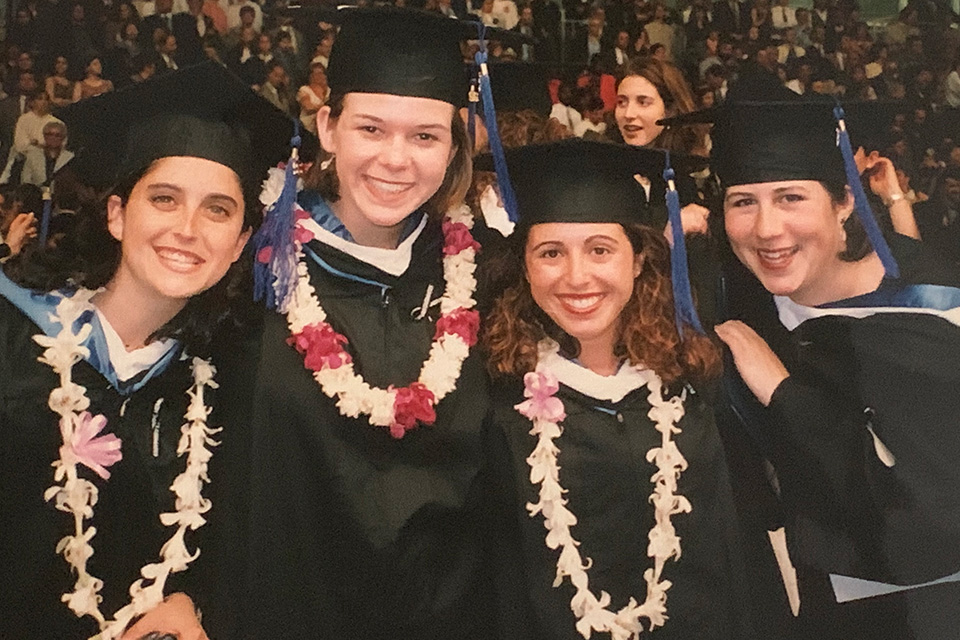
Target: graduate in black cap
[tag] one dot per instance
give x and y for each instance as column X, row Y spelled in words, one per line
column 847, row 377
column 105, row 437
column 614, row 511
column 366, row 399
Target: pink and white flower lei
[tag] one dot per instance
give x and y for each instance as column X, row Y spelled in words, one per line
column 77, row 496
column 399, row 409
column 546, row 412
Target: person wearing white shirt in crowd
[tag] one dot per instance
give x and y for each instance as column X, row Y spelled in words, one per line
column 784, row 16
column 592, row 122
column 951, row 88
column 233, row 13
column 29, row 129
column 42, row 163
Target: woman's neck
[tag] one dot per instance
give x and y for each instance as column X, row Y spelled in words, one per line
column 598, row 355
column 364, row 232
column 134, row 313
column 847, row 280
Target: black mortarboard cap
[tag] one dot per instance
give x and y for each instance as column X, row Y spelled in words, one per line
column 783, row 136
column 793, row 138
column 520, row 85
column 404, row 52
column 584, row 181
column 202, row 111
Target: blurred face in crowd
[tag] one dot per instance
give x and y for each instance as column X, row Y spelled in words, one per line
column 277, row 77
column 164, row 6
column 94, row 68
column 26, row 83
column 40, row 103
column 247, row 35
column 318, row 75
column 169, row 46
column 53, row 136
column 247, row 16
column 595, row 27
column 623, row 40
column 526, row 17
column 951, row 187
column 639, row 106
column 180, row 229
column 25, row 61
column 789, row 234
column 77, row 13
column 392, row 154
column 60, row 66
column 582, row 276
column 325, row 46
column 130, row 32
column 264, row 45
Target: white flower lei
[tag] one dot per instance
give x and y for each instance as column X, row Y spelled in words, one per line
column 591, row 612
column 78, row 496
column 439, row 373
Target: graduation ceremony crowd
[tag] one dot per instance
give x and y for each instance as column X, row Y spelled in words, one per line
column 495, row 321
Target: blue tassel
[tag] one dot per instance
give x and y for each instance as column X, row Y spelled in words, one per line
column 862, row 206
column 45, row 218
column 684, row 310
column 275, row 279
column 493, row 134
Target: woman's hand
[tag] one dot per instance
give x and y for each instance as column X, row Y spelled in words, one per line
column 758, row 365
column 21, row 229
column 175, row 616
column 881, row 173
column 694, row 218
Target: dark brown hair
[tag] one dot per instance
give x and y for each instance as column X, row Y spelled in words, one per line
column 649, row 336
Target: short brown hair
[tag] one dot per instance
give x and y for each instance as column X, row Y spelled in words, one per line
column 453, row 190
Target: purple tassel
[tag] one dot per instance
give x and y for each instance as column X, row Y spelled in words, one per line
column 275, row 261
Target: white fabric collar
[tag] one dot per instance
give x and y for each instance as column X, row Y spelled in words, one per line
column 392, row 261
column 611, row 388
column 128, row 364
column 792, row 315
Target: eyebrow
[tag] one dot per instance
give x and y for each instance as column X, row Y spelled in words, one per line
column 593, row 238
column 179, row 189
column 372, row 118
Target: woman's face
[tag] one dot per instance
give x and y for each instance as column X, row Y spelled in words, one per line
column 60, row 66
column 124, row 12
column 639, row 106
column 392, row 153
column 318, row 75
column 789, row 234
column 180, row 229
column 582, row 276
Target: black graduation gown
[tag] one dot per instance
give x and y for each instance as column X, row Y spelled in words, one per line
column 846, row 512
column 352, row 533
column 126, row 515
column 603, row 466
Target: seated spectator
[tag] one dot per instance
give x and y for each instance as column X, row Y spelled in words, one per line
column 29, row 130
column 93, row 84
column 42, row 163
column 312, row 96
column 58, row 86
column 716, row 82
column 790, row 49
column 324, row 46
column 166, row 48
column 145, row 67
column 783, row 16
column 592, row 126
column 660, row 32
column 275, row 87
column 234, row 36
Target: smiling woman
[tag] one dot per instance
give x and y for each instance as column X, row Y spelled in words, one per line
column 366, row 402
column 610, row 394
column 102, row 336
column 844, row 341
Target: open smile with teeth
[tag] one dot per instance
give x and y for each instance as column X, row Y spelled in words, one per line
column 387, row 187
column 580, row 303
column 632, row 128
column 777, row 258
column 179, row 260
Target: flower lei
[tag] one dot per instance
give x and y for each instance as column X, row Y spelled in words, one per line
column 399, row 409
column 82, row 445
column 546, row 412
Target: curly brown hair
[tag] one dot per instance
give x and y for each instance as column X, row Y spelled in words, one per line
column 649, row 335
